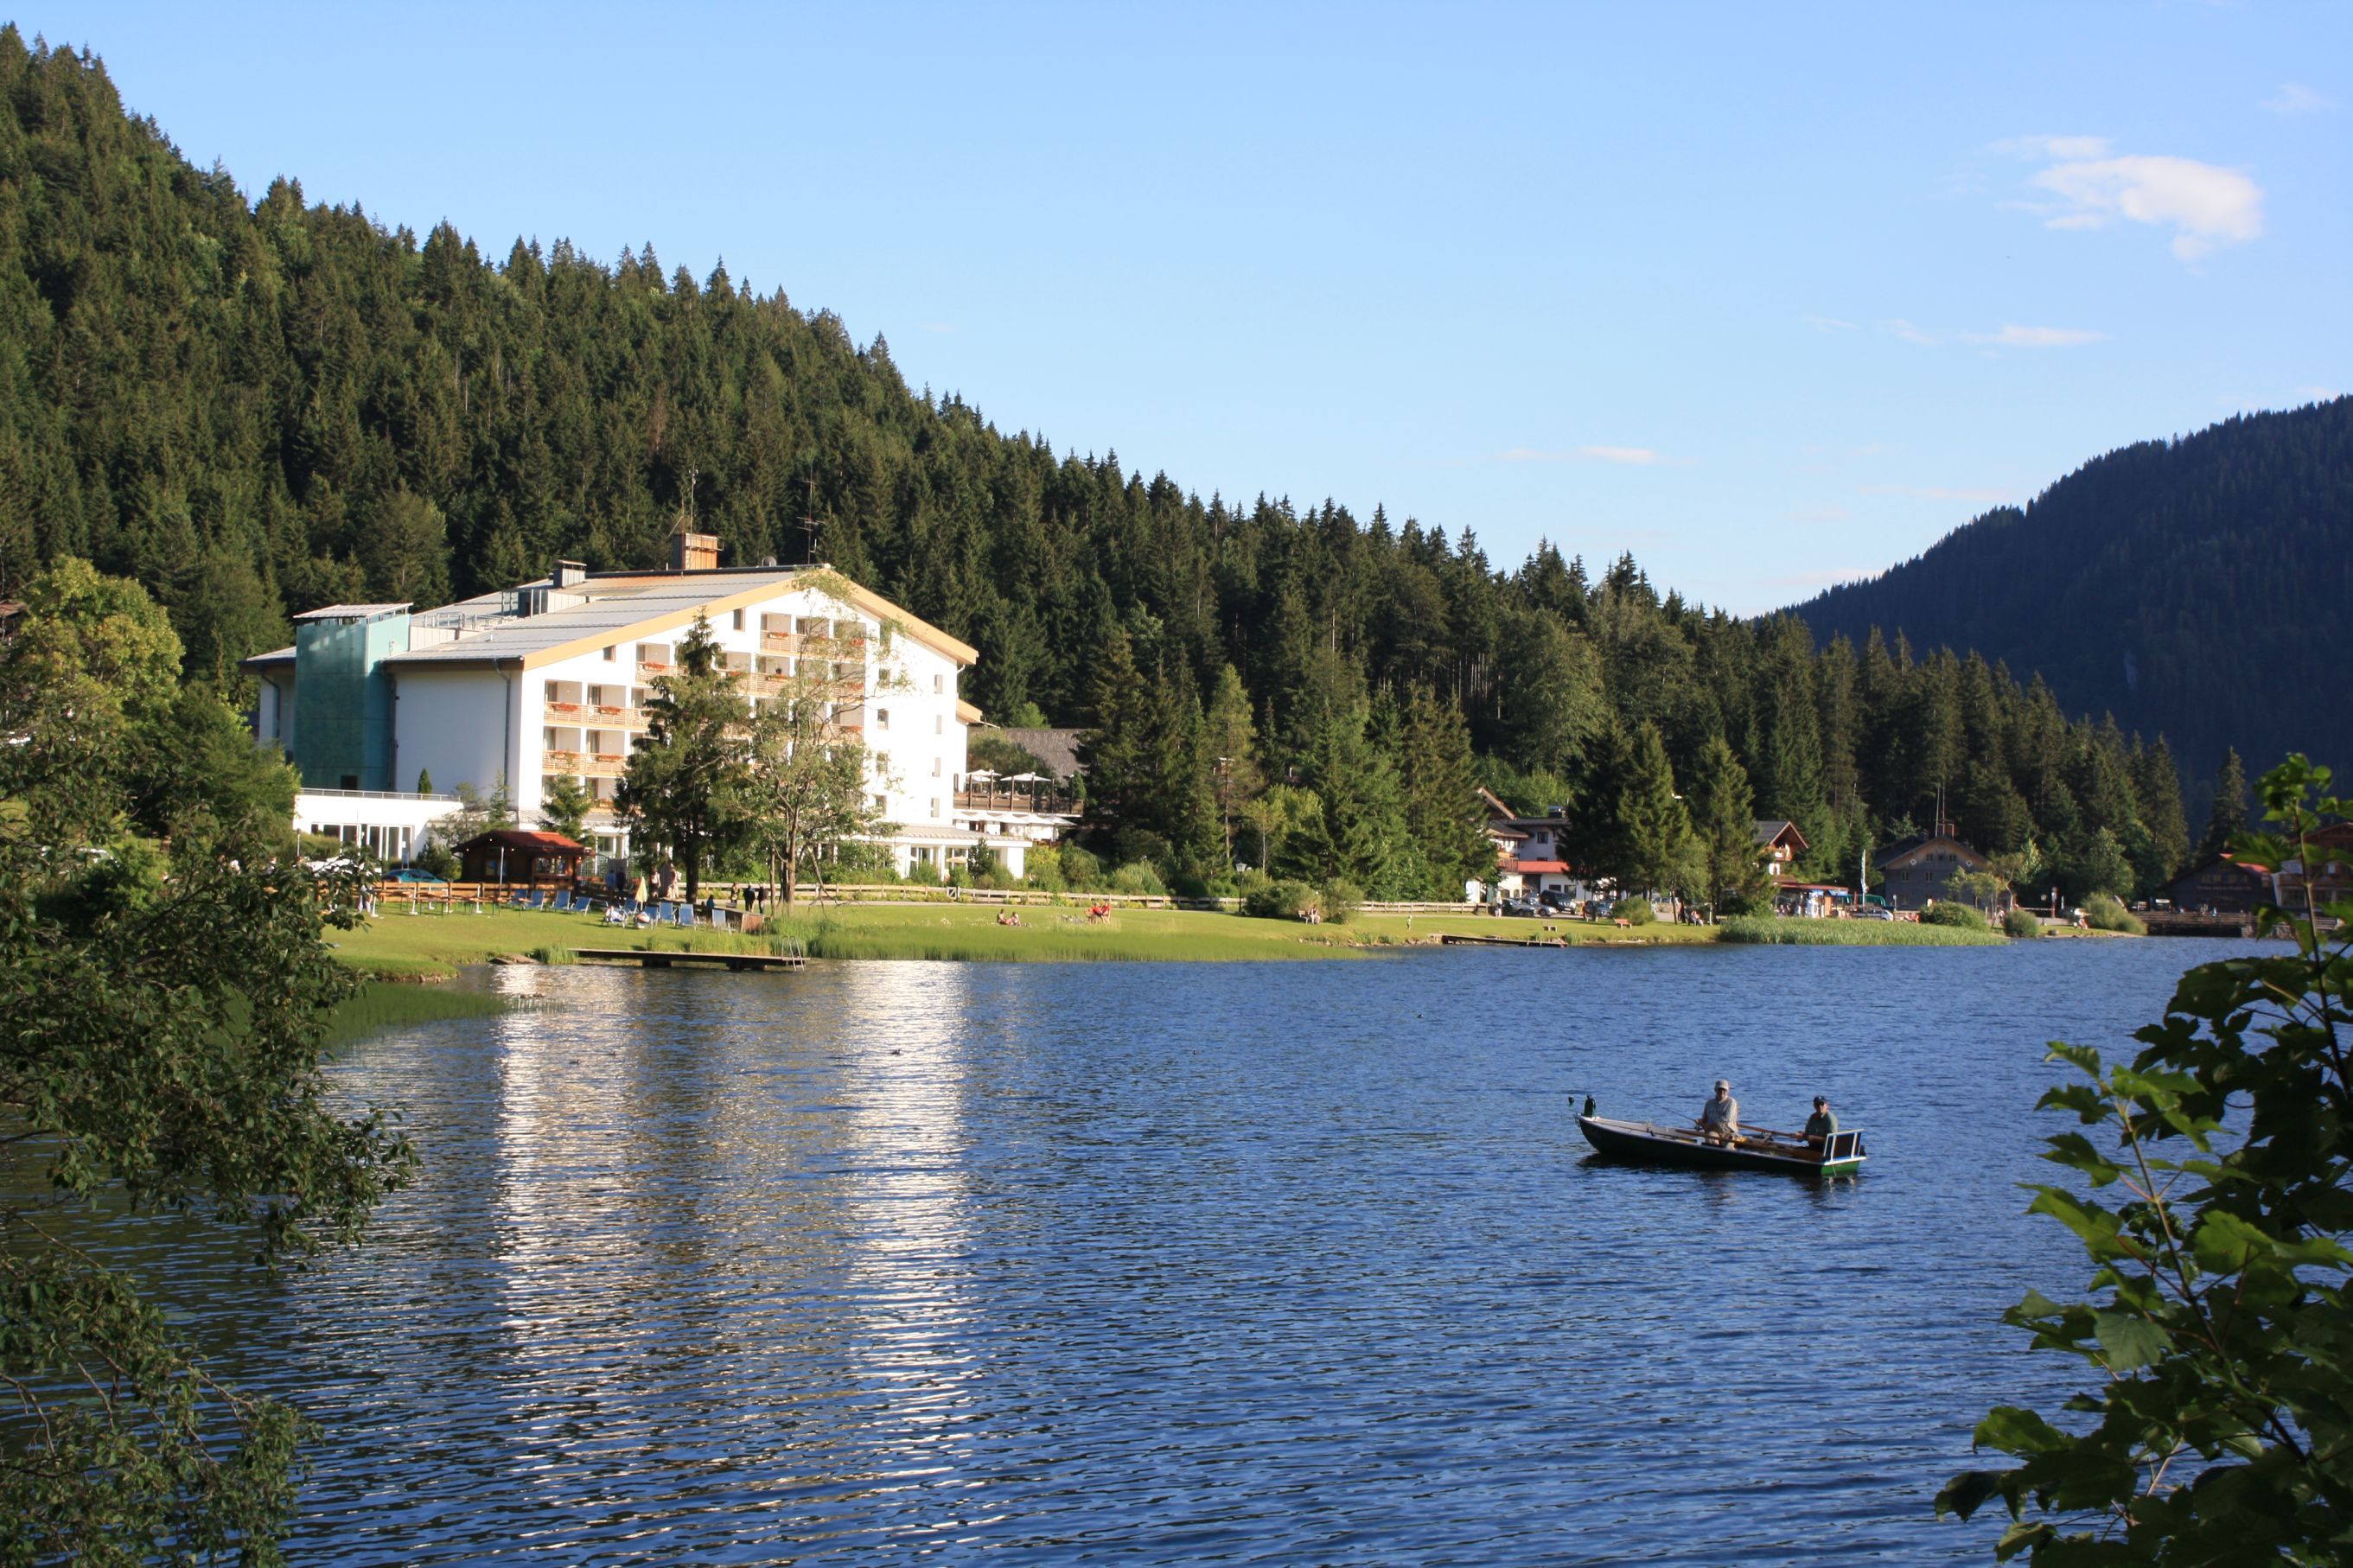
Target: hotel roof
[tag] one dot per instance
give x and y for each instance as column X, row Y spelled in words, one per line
column 603, row 608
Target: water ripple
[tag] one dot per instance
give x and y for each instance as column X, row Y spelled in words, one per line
column 1233, row 1264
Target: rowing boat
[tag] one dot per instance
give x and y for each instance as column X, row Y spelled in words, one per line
column 1759, row 1149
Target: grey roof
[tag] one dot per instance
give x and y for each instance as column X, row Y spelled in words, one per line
column 487, row 629
column 352, row 612
column 1769, row 829
column 1057, row 749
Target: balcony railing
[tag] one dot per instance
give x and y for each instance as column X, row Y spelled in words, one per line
column 1049, row 801
column 589, row 765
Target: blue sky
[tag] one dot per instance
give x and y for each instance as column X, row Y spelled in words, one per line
column 1770, row 296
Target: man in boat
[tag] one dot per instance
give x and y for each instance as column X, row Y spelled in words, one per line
column 1821, row 1124
column 1719, row 1119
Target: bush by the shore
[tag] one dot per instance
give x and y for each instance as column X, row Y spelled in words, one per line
column 2022, row 924
column 1342, row 899
column 1960, row 917
column 1766, row 929
column 1636, row 910
column 2106, row 911
column 1282, row 902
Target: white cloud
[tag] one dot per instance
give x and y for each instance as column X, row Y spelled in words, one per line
column 2055, row 149
column 2013, row 336
column 1639, row 455
column 1828, row 323
column 2295, row 98
column 2205, row 205
column 1912, row 334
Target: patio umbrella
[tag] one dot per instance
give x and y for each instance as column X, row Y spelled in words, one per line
column 981, row 774
column 1026, row 778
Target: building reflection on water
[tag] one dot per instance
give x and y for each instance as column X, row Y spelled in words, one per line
column 741, row 1203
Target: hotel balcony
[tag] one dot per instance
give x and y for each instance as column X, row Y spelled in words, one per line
column 592, row 715
column 586, row 765
column 1050, row 802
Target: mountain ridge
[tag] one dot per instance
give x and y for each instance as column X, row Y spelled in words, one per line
column 2182, row 586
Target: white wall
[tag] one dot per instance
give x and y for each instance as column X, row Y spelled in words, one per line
column 453, row 723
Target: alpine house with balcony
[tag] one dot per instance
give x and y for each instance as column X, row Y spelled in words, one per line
column 552, row 679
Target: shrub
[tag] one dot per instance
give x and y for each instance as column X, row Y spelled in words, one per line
column 1137, row 877
column 1045, row 865
column 1282, row 901
column 2106, row 911
column 1638, row 910
column 1079, row 869
column 1342, row 898
column 2022, row 924
column 1945, row 912
column 1189, row 885
column 1735, row 903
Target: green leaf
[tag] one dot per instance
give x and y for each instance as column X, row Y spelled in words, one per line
column 2131, row 1341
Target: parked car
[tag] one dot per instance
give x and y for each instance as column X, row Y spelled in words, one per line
column 1874, row 912
column 411, row 874
column 1527, row 906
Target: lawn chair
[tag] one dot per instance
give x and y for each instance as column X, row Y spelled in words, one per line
column 615, row 915
column 563, row 904
column 686, row 917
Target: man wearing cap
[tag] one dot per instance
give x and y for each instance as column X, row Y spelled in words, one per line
column 1720, row 1117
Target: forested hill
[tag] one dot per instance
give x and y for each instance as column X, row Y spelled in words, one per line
column 265, row 407
column 2197, row 588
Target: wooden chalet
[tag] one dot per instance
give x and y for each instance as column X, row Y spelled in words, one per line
column 519, row 858
column 1530, row 853
column 1919, row 870
column 1780, row 843
column 2222, row 884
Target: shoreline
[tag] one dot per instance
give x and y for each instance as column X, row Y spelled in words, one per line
column 396, row 945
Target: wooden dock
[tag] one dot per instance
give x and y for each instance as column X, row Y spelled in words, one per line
column 1456, row 939
column 2181, row 922
column 664, row 959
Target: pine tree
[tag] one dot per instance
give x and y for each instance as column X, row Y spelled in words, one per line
column 563, row 806
column 1232, row 743
column 1724, row 822
column 1660, row 853
column 2157, row 790
column 1442, row 814
column 683, row 790
column 2228, row 818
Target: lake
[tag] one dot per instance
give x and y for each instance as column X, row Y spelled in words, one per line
column 1228, row 1263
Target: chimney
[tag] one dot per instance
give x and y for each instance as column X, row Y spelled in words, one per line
column 694, row 553
column 570, row 574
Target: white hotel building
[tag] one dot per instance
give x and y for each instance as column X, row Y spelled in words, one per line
column 552, row 678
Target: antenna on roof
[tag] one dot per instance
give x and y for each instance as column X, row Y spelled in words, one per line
column 808, row 525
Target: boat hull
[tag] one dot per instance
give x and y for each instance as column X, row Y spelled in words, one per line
column 1640, row 1142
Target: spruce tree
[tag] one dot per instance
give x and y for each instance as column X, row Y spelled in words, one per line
column 1442, row 814
column 1660, row 853
column 2227, row 816
column 1724, row 822
column 1232, row 743
column 683, row 791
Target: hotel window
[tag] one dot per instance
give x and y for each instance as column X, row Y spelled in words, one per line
column 936, row 767
column 882, row 803
column 881, row 717
column 939, row 685
column 612, row 652
column 739, row 620
column 935, row 808
column 939, row 723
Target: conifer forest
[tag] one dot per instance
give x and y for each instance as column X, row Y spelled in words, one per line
column 255, row 406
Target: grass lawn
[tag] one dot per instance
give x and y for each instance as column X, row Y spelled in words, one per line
column 398, row 945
